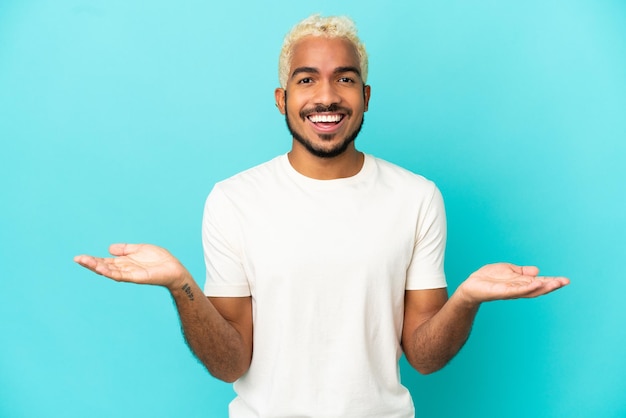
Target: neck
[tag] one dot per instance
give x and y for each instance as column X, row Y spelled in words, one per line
column 347, row 164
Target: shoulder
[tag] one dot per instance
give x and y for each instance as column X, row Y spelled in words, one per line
column 401, row 178
column 256, row 173
column 252, row 180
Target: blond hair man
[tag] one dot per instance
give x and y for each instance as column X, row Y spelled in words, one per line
column 325, row 264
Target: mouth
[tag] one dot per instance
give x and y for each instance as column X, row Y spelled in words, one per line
column 326, row 122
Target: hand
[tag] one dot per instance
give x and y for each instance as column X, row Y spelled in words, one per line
column 507, row 281
column 137, row 263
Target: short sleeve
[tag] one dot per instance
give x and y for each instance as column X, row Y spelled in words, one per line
column 221, row 241
column 426, row 270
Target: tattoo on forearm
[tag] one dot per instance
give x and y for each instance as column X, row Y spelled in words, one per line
column 188, row 291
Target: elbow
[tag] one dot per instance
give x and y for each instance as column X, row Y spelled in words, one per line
column 425, row 367
column 228, row 372
column 227, row 365
column 228, row 376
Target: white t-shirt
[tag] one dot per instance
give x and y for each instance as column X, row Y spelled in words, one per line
column 327, row 263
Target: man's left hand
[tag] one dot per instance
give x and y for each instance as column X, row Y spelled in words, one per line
column 507, row 281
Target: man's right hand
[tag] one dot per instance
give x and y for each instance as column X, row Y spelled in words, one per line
column 138, row 263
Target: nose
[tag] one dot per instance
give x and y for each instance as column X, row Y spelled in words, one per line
column 327, row 94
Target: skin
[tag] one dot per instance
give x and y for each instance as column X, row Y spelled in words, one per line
column 324, row 75
column 218, row 330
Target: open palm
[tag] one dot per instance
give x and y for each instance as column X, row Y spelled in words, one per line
column 508, row 281
column 137, row 263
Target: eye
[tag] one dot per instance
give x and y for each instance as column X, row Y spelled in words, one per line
column 305, row 80
column 346, row 80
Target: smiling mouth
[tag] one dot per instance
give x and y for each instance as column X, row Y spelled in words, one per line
column 333, row 118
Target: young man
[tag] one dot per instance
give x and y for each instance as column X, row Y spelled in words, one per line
column 324, row 264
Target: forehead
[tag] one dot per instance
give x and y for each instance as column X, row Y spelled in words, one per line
column 320, row 52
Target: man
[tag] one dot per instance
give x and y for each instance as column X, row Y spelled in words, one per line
column 324, row 264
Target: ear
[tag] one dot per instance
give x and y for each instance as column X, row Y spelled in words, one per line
column 366, row 95
column 279, row 96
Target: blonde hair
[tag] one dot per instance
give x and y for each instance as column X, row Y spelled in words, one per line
column 316, row 25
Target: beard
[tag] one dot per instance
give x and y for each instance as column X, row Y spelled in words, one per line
column 318, row 151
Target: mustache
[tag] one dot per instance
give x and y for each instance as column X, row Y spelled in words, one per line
column 332, row 108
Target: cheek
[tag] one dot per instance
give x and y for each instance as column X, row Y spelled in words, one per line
column 293, row 108
column 361, row 101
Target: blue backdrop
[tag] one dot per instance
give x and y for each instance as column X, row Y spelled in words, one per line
column 117, row 117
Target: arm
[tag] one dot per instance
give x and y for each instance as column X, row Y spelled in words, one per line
column 218, row 330
column 436, row 328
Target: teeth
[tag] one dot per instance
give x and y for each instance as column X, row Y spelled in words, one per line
column 324, row 118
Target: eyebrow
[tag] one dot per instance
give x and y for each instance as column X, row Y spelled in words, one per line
column 338, row 70
column 311, row 70
column 350, row 69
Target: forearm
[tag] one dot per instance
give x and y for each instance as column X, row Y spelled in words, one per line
column 213, row 339
column 221, row 339
column 435, row 330
column 437, row 340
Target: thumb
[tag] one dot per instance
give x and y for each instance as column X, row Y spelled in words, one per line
column 123, row 249
column 530, row 271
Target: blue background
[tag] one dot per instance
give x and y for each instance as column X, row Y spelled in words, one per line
column 116, row 118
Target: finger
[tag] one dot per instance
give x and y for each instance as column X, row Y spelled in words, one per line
column 548, row 285
column 86, row 261
column 99, row 266
column 109, row 268
column 558, row 281
column 121, row 249
column 530, row 270
column 525, row 288
column 562, row 280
